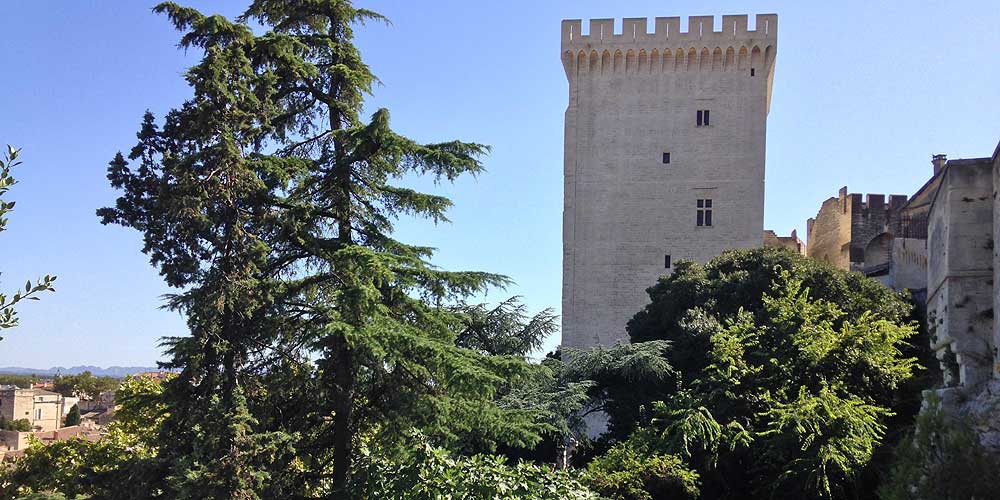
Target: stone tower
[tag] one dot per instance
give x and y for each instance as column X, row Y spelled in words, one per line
column 664, row 157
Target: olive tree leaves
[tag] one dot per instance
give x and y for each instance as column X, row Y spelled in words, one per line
column 8, row 315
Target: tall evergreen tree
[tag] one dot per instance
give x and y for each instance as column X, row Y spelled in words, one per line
column 270, row 202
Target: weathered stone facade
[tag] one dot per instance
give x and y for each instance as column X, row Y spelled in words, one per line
column 963, row 291
column 960, row 277
column 45, row 410
column 16, row 404
column 791, row 242
column 664, row 157
column 853, row 234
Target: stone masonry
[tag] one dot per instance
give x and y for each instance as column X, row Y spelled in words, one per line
column 791, row 242
column 664, row 157
column 853, row 234
column 963, row 288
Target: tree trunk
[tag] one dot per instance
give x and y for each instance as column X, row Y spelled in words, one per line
column 343, row 404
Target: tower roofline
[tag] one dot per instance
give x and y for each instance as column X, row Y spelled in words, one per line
column 701, row 29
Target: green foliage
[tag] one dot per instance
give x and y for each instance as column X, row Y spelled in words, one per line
column 141, row 409
column 73, row 417
column 21, row 381
column 119, row 466
column 270, row 203
column 8, row 315
column 632, row 471
column 617, row 375
column 83, row 384
column 544, row 394
column 45, row 496
column 783, row 374
column 20, row 425
column 942, row 458
column 432, row 473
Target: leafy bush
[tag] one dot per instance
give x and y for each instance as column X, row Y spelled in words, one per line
column 783, row 373
column 632, row 472
column 431, row 473
column 20, row 425
column 120, row 466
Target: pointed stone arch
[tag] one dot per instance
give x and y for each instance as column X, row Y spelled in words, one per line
column 655, row 63
column 581, row 62
column 692, row 59
column 755, row 58
column 668, row 60
column 768, row 55
column 630, row 61
column 742, row 64
column 704, row 62
column 595, row 61
column 729, row 63
column 618, row 61
column 717, row 59
column 643, row 65
column 605, row 61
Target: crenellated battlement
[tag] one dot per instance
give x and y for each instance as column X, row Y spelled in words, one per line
column 667, row 48
column 701, row 29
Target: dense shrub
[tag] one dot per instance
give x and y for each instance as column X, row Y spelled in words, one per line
column 629, row 471
column 781, row 375
column 431, row 473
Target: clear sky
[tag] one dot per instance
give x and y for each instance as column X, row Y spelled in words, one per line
column 864, row 94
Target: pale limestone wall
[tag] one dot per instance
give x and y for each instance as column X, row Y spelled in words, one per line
column 828, row 235
column 960, row 282
column 16, row 404
column 771, row 239
column 856, row 233
column 793, row 243
column 909, row 264
column 633, row 97
column 13, row 440
column 996, row 260
column 47, row 412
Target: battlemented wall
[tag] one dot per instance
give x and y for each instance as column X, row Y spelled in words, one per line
column 855, row 232
column 634, row 97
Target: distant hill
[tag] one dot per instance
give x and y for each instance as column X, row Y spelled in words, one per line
column 111, row 371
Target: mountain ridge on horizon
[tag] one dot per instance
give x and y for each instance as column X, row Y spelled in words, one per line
column 111, row 371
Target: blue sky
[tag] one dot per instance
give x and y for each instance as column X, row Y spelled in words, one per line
column 864, row 94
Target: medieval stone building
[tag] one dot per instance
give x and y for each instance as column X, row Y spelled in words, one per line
column 664, row 157
column 884, row 239
column 44, row 410
column 963, row 288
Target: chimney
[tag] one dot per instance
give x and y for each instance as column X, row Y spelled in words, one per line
column 938, row 161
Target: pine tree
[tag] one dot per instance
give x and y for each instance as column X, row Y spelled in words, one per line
column 270, row 203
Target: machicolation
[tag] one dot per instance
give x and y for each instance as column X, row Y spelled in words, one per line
column 700, row 48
